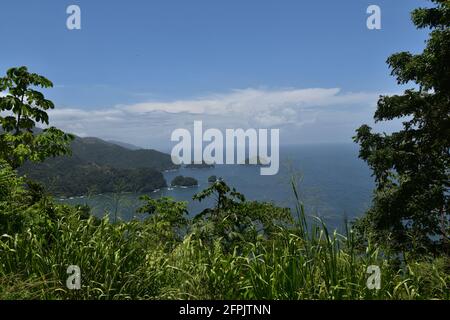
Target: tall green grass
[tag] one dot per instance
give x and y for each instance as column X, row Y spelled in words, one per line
column 125, row 261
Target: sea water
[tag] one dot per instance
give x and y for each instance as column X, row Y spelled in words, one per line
column 332, row 182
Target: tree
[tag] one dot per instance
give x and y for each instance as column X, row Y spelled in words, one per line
column 411, row 166
column 20, row 110
column 166, row 217
column 235, row 221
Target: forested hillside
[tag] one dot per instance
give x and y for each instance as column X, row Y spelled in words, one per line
column 97, row 166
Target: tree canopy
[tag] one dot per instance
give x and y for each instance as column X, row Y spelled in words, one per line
column 411, row 166
column 20, row 110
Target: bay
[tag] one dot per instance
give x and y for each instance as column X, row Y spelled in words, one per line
column 333, row 184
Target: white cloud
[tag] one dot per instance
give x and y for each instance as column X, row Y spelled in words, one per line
column 150, row 123
column 249, row 102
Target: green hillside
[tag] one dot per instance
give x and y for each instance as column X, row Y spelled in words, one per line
column 97, row 166
column 105, row 153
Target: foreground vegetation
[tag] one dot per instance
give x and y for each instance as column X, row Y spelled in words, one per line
column 236, row 250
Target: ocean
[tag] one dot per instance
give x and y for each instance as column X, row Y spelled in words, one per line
column 332, row 182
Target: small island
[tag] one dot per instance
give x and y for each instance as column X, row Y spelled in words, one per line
column 181, row 181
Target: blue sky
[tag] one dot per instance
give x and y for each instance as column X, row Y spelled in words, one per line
column 139, row 69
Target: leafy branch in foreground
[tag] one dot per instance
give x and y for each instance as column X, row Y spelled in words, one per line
column 233, row 219
column 20, row 110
